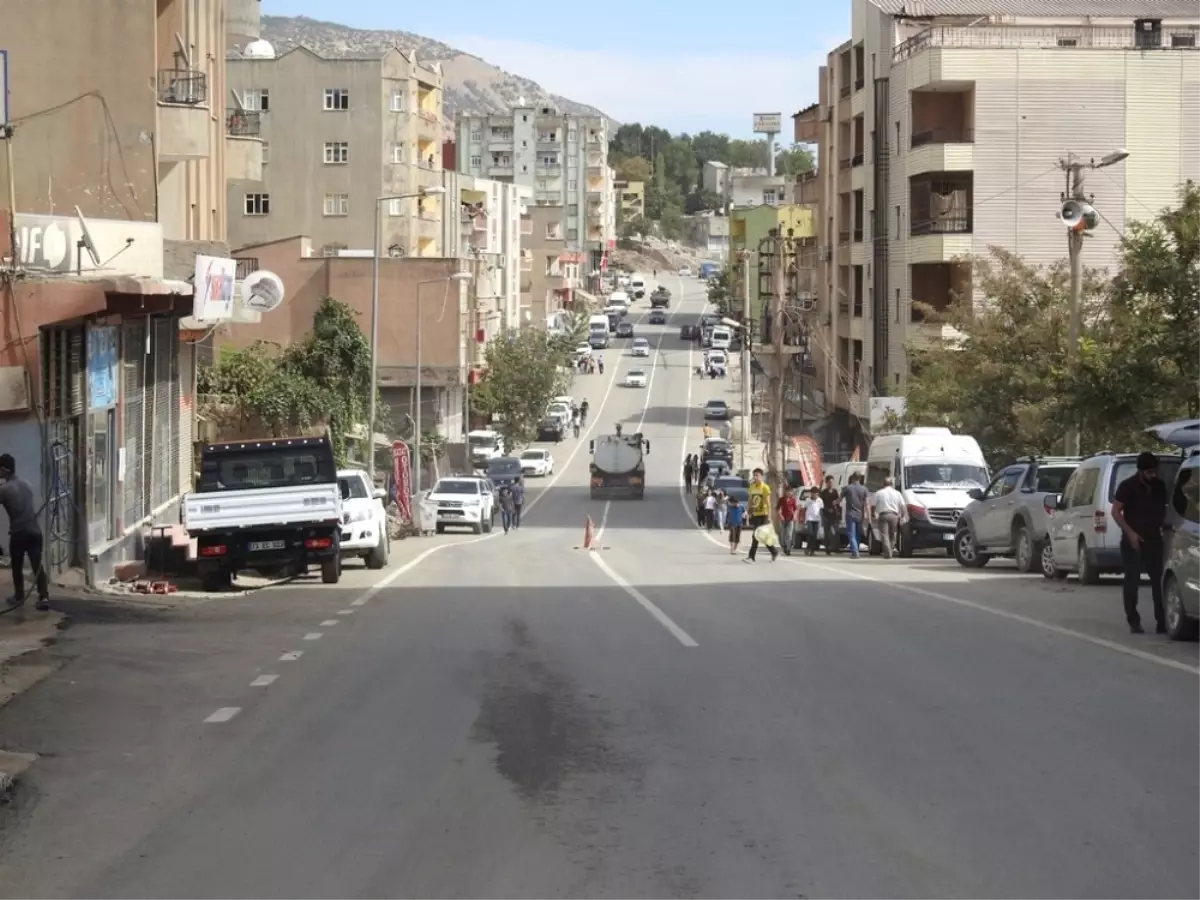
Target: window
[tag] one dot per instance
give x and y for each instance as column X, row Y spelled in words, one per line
column 337, row 153
column 897, row 234
column 337, row 98
column 258, row 204
column 266, row 152
column 573, row 209
column 256, row 99
column 897, row 138
column 876, row 473
column 1005, row 483
column 572, row 185
column 397, row 101
column 476, row 136
column 395, row 208
column 1083, row 486
column 572, row 234
column 553, row 231
column 1183, row 39
column 1068, row 42
column 337, row 204
column 102, row 480
column 897, row 304
column 397, row 153
column 476, row 162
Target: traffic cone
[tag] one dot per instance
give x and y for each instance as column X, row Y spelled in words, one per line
column 589, row 533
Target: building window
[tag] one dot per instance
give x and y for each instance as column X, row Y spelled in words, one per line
column 395, row 207
column 266, row 152
column 476, row 162
column 397, row 101
column 572, row 185
column 897, row 234
column 256, row 100
column 337, row 98
column 572, row 234
column 337, row 153
column 397, row 153
column 476, row 136
column 337, row 204
column 1068, row 42
column 258, row 204
column 573, row 209
column 897, row 304
column 1183, row 39
column 554, row 231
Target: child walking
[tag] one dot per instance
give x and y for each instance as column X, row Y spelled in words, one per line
column 736, row 514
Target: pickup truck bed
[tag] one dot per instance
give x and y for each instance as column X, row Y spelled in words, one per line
column 296, row 505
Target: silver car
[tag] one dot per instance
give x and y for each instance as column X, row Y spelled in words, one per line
column 1181, row 575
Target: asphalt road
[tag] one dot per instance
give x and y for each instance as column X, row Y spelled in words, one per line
column 512, row 716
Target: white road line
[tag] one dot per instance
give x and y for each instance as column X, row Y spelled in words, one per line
column 345, row 612
column 291, row 656
column 264, row 680
column 224, row 714
column 329, row 623
column 313, row 636
column 661, row 617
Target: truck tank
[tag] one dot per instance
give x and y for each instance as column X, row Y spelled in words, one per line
column 618, row 467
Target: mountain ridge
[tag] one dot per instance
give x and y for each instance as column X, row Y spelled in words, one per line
column 470, row 84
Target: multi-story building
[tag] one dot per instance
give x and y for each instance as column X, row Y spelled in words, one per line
column 749, row 225
column 482, row 224
column 341, row 133
column 563, row 159
column 98, row 379
column 941, row 136
column 631, row 198
column 708, row 230
column 742, row 186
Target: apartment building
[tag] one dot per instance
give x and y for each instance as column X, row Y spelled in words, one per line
column 562, row 158
column 708, row 230
column 120, row 149
column 744, row 186
column 749, row 225
column 482, row 225
column 940, row 136
column 631, row 198
column 340, row 134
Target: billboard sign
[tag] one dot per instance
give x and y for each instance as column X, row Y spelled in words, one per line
column 212, row 285
column 768, row 123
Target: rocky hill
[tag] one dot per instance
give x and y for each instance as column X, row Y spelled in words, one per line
column 471, row 84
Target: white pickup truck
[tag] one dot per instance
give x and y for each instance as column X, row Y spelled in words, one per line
column 267, row 506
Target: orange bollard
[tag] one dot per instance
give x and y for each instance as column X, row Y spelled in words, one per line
column 589, row 534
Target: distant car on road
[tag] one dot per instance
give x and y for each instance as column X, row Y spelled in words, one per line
column 716, row 409
column 641, row 347
column 624, row 329
column 635, row 378
column 685, row 271
column 658, row 317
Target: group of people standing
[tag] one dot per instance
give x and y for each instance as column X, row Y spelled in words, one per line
column 588, row 365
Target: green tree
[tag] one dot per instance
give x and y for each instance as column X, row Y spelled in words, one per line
column 254, row 388
column 670, row 220
column 720, row 292
column 633, row 168
column 1000, row 372
column 524, row 372
column 794, row 160
column 700, row 199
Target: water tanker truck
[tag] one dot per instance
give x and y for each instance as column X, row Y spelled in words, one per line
column 618, row 466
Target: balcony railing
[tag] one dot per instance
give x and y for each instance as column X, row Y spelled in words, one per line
column 186, row 87
column 243, row 123
column 859, row 83
column 1062, row 37
column 550, row 170
column 952, row 224
column 429, row 115
column 243, row 266
column 844, row 92
column 856, row 160
column 944, row 135
column 843, row 237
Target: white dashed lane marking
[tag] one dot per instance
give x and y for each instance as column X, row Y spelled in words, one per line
column 291, row 656
column 264, row 681
column 329, row 623
column 313, row 636
column 224, row 714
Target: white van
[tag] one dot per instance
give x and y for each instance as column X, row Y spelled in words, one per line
column 637, row 286
column 598, row 331
column 722, row 337
column 935, row 470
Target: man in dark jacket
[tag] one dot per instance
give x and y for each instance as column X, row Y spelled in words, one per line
column 24, row 533
column 1140, row 510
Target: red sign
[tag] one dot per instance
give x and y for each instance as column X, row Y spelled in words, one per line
column 604, row 262
column 402, row 472
column 808, row 452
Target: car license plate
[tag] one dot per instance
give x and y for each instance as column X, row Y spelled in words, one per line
column 256, row 546
column 947, row 536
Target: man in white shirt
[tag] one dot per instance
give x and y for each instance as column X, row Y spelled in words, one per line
column 710, row 510
column 889, row 513
column 813, row 507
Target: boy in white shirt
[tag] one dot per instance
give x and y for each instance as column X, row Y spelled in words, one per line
column 812, row 520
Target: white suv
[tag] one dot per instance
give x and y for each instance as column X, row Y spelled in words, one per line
column 460, row 501
column 364, row 520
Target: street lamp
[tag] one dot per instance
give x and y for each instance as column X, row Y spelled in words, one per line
column 434, row 191
column 445, row 279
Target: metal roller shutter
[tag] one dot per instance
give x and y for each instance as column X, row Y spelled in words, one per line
column 160, row 428
column 175, row 399
column 133, row 387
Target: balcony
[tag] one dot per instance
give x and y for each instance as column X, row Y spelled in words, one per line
column 953, row 134
column 549, row 170
column 844, row 92
column 243, row 146
column 243, row 123
column 843, row 238
column 1048, row 37
column 476, row 222
column 499, row 170
column 941, row 223
column 183, row 115
column 545, row 143
column 548, row 198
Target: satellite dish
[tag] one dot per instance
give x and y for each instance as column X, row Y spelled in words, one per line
column 86, row 241
column 262, row 291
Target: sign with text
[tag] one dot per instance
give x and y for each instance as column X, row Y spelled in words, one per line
column 768, row 123
column 212, row 297
column 101, row 367
column 52, row 244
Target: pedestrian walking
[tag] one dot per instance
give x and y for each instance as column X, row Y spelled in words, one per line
column 24, row 533
column 814, row 514
column 888, row 514
column 507, row 507
column 703, row 476
column 600, row 363
column 759, row 510
column 722, row 510
column 786, row 507
column 688, row 473
column 737, row 515
column 1140, row 510
column 856, row 498
column 518, row 493
column 831, row 515
column 710, row 511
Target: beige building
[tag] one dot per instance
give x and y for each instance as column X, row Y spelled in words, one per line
column 340, row 134
column 941, row 136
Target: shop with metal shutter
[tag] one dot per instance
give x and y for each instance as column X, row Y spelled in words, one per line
column 133, row 419
column 64, row 401
column 163, row 422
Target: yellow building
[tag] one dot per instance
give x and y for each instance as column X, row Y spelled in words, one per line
column 633, row 198
column 749, row 225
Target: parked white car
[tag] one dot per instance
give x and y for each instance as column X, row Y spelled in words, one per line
column 583, row 351
column 641, row 347
column 635, row 378
column 461, row 502
column 537, row 463
column 685, row 272
column 364, row 519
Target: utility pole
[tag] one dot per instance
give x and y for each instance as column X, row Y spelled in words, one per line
column 747, row 410
column 1074, row 170
column 777, row 463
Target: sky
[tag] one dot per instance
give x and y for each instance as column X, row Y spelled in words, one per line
column 688, row 67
